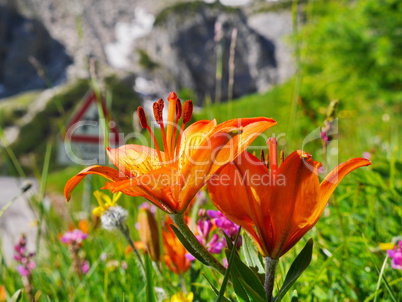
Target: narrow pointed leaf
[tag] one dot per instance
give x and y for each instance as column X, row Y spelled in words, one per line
column 250, row 278
column 150, row 293
column 251, row 255
column 294, row 297
column 255, row 297
column 17, row 296
column 216, row 290
column 187, row 245
column 227, row 274
column 298, row 266
column 239, row 289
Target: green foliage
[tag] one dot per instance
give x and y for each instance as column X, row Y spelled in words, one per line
column 124, row 101
column 145, row 60
column 13, row 108
column 298, row 266
column 188, row 9
column 352, row 51
column 52, row 120
column 46, row 123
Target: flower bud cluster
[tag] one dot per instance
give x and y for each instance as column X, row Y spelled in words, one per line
column 25, row 259
column 74, row 239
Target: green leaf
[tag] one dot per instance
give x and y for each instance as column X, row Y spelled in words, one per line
column 239, row 289
column 215, row 289
column 17, row 296
column 294, row 297
column 150, row 286
column 250, row 254
column 227, row 273
column 245, row 279
column 187, row 245
column 298, row 266
column 255, row 297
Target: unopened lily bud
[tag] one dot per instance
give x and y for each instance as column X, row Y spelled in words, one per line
column 149, row 234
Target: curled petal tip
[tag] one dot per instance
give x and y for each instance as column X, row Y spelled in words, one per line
column 360, row 162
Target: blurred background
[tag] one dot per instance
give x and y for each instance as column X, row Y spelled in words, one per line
column 306, row 63
column 309, row 52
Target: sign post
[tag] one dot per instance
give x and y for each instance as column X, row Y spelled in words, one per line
column 84, row 140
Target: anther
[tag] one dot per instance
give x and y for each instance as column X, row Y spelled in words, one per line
column 187, row 111
column 142, row 117
column 158, row 113
column 282, row 157
column 178, row 109
column 161, row 103
column 262, row 156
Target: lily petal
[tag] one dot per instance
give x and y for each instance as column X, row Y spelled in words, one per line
column 233, row 192
column 195, row 172
column 107, row 172
column 134, row 160
column 155, row 186
column 251, row 128
column 193, row 136
column 289, row 200
column 331, row 181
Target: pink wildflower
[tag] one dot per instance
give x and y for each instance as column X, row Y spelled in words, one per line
column 75, row 236
column 396, row 256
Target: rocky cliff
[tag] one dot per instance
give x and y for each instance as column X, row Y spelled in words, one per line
column 167, row 45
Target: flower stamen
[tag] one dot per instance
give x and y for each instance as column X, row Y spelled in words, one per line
column 158, row 114
column 282, row 157
column 144, row 124
column 187, row 113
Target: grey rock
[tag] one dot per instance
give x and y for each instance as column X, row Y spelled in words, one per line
column 180, row 48
column 29, row 57
column 185, row 54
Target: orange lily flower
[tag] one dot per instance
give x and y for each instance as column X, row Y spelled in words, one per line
column 276, row 206
column 171, row 178
column 175, row 253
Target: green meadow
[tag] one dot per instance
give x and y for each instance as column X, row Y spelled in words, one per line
column 353, row 64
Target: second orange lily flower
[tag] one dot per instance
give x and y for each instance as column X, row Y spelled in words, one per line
column 171, row 178
column 276, row 206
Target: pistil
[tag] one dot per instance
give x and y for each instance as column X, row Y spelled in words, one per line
column 273, row 154
column 172, row 99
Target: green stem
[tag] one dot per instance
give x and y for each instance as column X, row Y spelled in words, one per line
column 178, row 219
column 270, row 268
column 124, row 229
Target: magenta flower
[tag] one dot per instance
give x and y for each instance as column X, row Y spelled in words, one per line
column 396, row 256
column 214, row 244
column 73, row 239
column 27, row 264
column 201, row 198
column 75, row 236
column 146, row 205
column 367, row 155
column 84, row 266
column 229, row 227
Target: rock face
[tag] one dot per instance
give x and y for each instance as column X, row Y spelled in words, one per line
column 29, row 57
column 188, row 42
column 168, row 45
